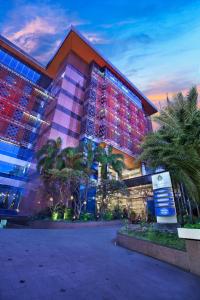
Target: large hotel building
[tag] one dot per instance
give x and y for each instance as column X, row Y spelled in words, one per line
column 78, row 94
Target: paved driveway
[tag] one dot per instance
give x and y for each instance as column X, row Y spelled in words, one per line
column 84, row 264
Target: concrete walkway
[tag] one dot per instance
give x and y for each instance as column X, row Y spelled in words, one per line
column 84, row 264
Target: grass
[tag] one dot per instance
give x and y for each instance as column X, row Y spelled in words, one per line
column 167, row 239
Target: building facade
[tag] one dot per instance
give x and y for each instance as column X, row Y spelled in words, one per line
column 78, row 95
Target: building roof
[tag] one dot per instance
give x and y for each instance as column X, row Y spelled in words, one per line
column 76, row 42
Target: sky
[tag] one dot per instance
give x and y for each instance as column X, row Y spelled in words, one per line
column 155, row 43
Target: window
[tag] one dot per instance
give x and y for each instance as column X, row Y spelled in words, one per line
column 23, row 101
column 2, row 106
column 18, row 115
column 16, row 65
column 10, row 79
column 3, row 91
column 12, row 130
column 28, row 89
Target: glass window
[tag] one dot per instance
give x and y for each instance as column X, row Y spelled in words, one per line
column 18, row 66
column 3, row 91
column 23, row 101
column 10, row 79
column 12, row 130
column 6, row 60
column 27, row 89
column 12, row 63
column 18, row 115
column 1, row 54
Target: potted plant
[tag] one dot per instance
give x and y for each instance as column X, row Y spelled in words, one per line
column 191, row 234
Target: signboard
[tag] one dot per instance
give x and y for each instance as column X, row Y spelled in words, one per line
column 164, row 198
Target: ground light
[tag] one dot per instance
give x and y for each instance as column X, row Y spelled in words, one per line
column 55, row 216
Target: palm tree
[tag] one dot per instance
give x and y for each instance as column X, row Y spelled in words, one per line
column 109, row 160
column 70, row 157
column 176, row 144
column 89, row 153
column 107, row 186
column 48, row 154
column 69, row 181
column 47, row 158
column 68, row 172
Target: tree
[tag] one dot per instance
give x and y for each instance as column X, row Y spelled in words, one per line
column 107, row 189
column 109, row 160
column 61, row 170
column 68, row 182
column 65, row 171
column 47, row 156
column 107, row 186
column 88, row 149
column 175, row 146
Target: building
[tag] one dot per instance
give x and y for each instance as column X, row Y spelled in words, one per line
column 78, row 94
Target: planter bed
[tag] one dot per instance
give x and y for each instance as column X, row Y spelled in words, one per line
column 48, row 224
column 170, row 255
column 192, row 239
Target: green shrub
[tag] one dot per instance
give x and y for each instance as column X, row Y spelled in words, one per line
column 117, row 213
column 58, row 211
column 132, row 216
column 194, row 226
column 186, row 219
column 87, row 217
column 108, row 216
column 162, row 238
column 68, row 214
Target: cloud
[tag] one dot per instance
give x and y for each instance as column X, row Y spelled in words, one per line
column 119, row 23
column 158, row 91
column 142, row 38
column 47, row 53
column 38, row 29
column 95, row 38
column 28, row 36
column 172, row 85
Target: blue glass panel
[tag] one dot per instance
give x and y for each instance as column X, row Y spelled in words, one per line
column 6, row 60
column 15, row 151
column 1, row 54
column 19, row 67
column 12, row 169
column 12, row 63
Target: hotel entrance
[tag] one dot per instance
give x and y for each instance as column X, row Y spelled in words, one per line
column 136, row 201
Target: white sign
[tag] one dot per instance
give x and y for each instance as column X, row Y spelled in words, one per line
column 161, row 180
column 163, row 198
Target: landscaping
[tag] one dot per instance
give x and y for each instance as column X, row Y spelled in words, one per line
column 178, row 247
column 163, row 238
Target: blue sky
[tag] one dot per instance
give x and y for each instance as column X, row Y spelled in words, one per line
column 155, row 43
